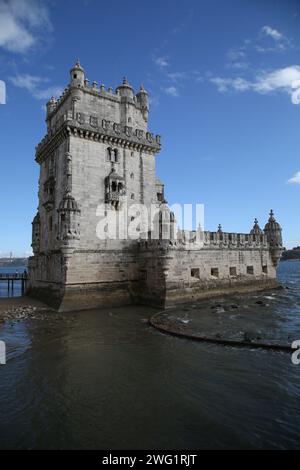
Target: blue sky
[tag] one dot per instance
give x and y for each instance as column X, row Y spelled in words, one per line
column 224, row 82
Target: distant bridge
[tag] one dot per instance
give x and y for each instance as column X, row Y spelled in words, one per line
column 11, row 278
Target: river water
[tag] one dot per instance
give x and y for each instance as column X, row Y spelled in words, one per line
column 106, row 379
column 16, row 291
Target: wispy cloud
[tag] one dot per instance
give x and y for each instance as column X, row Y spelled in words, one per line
column 172, row 91
column 180, row 77
column 295, row 179
column 161, row 61
column 285, row 80
column 272, row 32
column 267, row 40
column 271, row 40
column 21, row 24
column 36, row 86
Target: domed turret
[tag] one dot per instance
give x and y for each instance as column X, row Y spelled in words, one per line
column 68, row 203
column 274, row 236
column 142, row 98
column 125, row 90
column 256, row 228
column 273, row 231
column 36, row 231
column 77, row 75
column 69, row 213
column 51, row 105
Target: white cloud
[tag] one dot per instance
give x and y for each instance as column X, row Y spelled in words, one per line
column 225, row 84
column 172, row 91
column 295, row 178
column 36, row 86
column 272, row 32
column 236, row 54
column 161, row 61
column 286, row 80
column 21, row 23
column 272, row 40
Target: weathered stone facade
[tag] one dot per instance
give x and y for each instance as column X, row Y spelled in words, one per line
column 98, row 150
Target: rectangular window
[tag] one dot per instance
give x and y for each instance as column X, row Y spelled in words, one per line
column 214, row 272
column 195, row 272
column 265, row 269
column 143, row 274
column 232, row 271
column 250, row 270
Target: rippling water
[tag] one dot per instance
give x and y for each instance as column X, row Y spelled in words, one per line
column 106, row 379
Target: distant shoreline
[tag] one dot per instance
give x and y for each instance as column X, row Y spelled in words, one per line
column 13, row 262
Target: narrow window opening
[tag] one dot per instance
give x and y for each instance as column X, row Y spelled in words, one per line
column 214, row 272
column 250, row 270
column 195, row 272
column 232, row 271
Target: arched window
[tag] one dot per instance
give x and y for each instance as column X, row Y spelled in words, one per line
column 112, row 155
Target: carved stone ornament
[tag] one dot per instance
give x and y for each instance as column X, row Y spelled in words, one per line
column 80, row 118
column 105, row 124
column 94, row 121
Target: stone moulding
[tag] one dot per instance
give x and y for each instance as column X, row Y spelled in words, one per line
column 147, row 143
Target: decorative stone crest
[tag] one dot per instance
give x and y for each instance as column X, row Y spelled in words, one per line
column 94, row 121
column 117, row 128
column 80, row 118
column 105, row 124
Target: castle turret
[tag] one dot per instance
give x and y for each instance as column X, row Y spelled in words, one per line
column 142, row 98
column 125, row 90
column 256, row 230
column 50, row 107
column 69, row 214
column 77, row 75
column 36, row 233
column 274, row 236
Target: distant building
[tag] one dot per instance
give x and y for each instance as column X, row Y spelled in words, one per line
column 98, row 152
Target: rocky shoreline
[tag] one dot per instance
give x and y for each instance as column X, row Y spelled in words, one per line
column 241, row 322
column 21, row 308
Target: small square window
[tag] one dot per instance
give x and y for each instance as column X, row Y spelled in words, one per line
column 232, row 271
column 195, row 272
column 250, row 270
column 214, row 272
column 265, row 269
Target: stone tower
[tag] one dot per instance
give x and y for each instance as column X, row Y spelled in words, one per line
column 97, row 150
